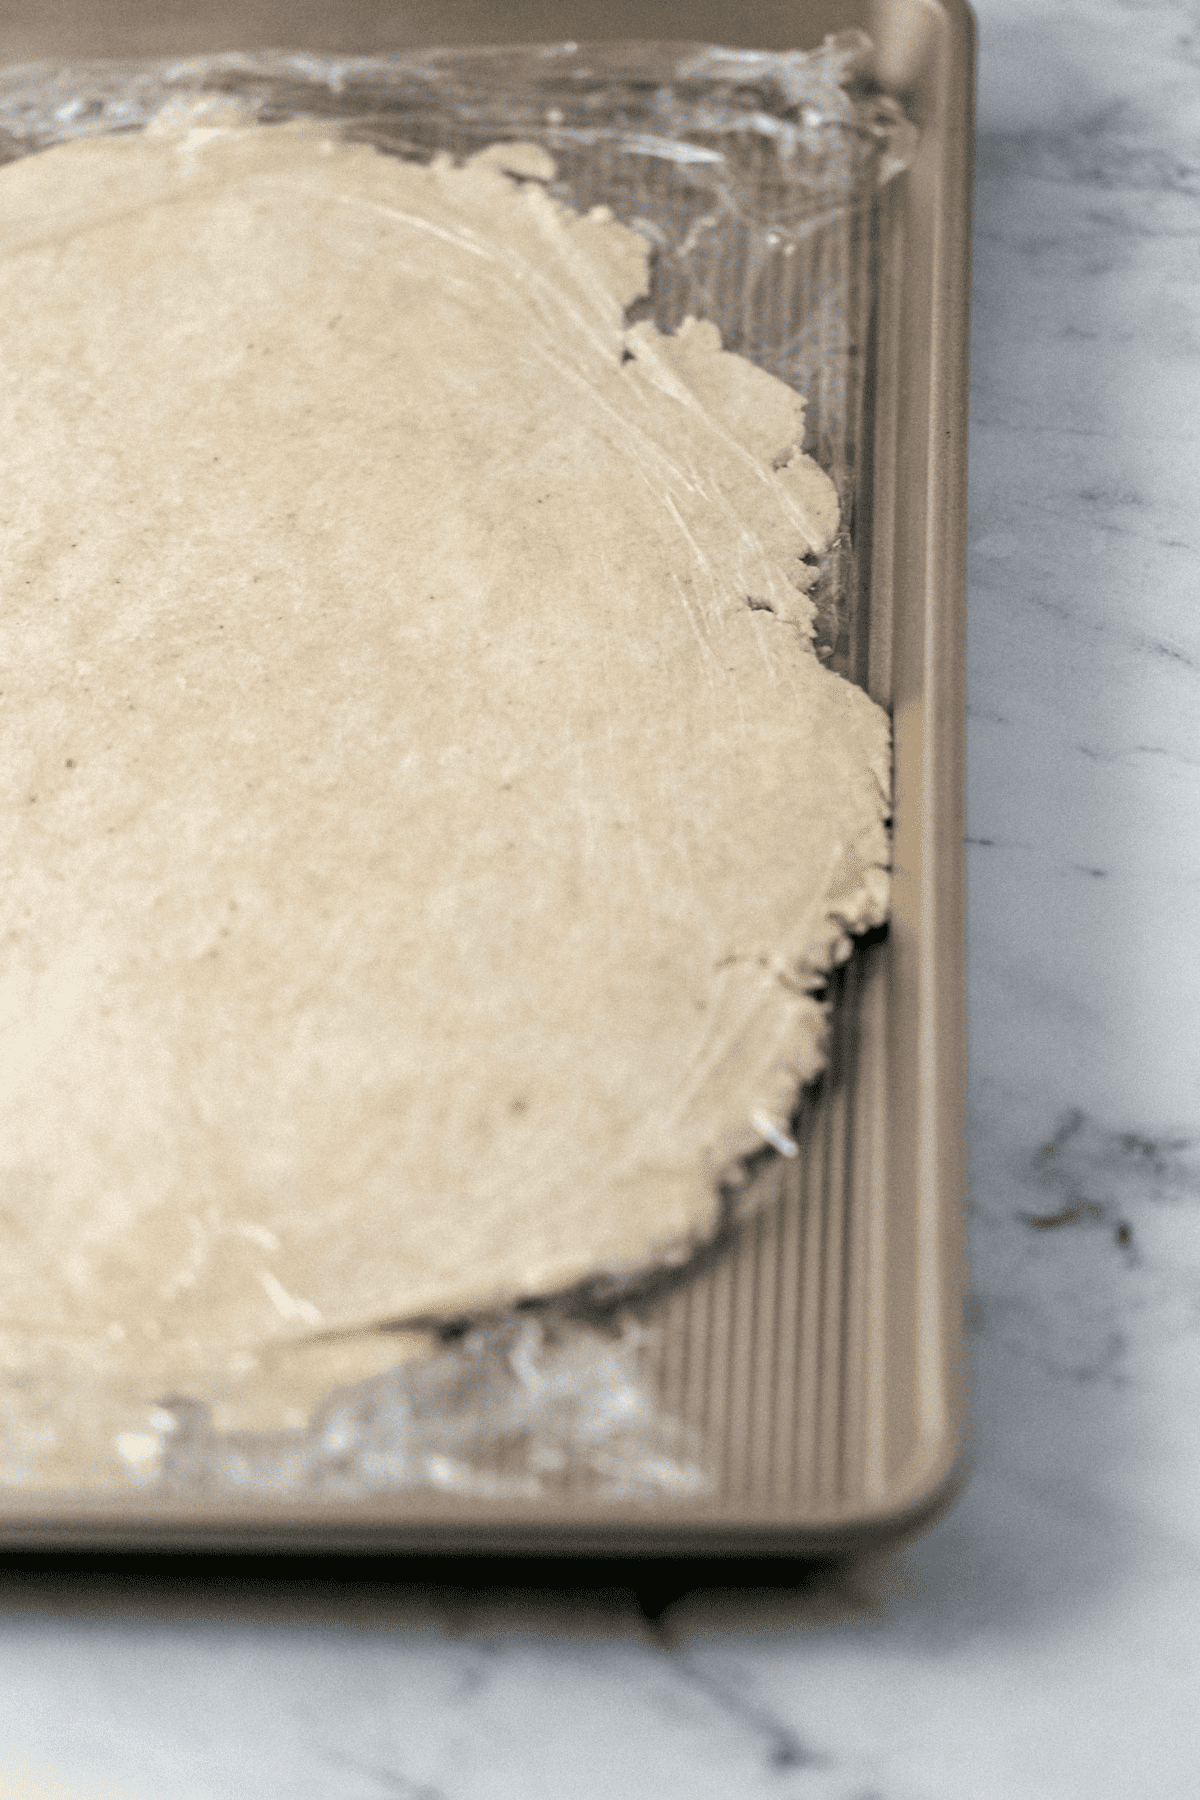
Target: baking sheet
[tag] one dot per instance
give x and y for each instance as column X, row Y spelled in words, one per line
column 765, row 187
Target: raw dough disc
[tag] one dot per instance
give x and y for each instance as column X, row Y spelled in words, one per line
column 425, row 816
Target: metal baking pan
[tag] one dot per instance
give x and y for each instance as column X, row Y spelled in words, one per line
column 819, row 1353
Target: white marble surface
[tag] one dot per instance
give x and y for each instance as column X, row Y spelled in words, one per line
column 1043, row 1641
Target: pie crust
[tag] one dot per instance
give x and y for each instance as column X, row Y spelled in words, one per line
column 427, row 822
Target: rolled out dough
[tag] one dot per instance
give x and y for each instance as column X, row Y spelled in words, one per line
column 425, row 818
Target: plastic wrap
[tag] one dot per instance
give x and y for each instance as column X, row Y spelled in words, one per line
column 496, row 1414
column 759, row 180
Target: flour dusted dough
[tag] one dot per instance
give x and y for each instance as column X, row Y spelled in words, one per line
column 425, row 818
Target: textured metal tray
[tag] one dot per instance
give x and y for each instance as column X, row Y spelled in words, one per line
column 820, row 1354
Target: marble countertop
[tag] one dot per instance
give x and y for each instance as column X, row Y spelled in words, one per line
column 1043, row 1640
